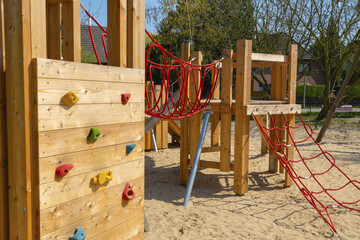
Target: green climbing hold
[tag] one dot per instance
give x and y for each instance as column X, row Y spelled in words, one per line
column 129, row 148
column 94, row 135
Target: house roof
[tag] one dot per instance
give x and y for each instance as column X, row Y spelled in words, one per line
column 87, row 45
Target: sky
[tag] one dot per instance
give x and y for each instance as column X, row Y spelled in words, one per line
column 99, row 7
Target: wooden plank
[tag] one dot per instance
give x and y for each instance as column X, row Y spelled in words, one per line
column 78, row 186
column 132, row 230
column 164, row 124
column 89, row 92
column 273, row 109
column 53, row 143
column 70, row 212
column 136, row 33
column 88, row 161
column 57, row 1
column 148, row 141
column 4, row 195
column 292, row 74
column 88, row 72
column 116, row 23
column 266, row 64
column 71, row 31
column 54, row 117
column 100, row 222
column 195, row 120
column 226, row 98
column 264, row 144
column 53, row 30
column 290, row 150
column 184, row 137
column 269, row 57
column 23, row 43
column 242, row 120
column 174, row 130
column 215, row 116
column 214, row 165
column 283, row 95
column 263, row 140
column 210, row 149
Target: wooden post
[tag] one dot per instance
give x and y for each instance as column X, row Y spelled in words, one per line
column 264, row 143
column 164, row 124
column 157, row 128
column 215, row 115
column 242, row 121
column 116, row 22
column 226, row 100
column 4, row 196
column 25, row 40
column 53, row 30
column 282, row 97
column 292, row 100
column 194, row 121
column 184, row 151
column 148, row 142
column 71, row 31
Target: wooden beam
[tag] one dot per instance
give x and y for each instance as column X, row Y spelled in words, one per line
column 51, row 2
column 226, row 98
column 25, row 24
column 273, row 109
column 242, row 120
column 164, row 124
column 215, row 116
column 4, row 195
column 157, row 128
column 184, row 139
column 214, row 165
column 210, row 149
column 269, row 57
column 53, row 31
column 116, row 22
column 71, row 31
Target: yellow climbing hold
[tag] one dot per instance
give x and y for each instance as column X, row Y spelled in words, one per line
column 70, row 99
column 102, row 178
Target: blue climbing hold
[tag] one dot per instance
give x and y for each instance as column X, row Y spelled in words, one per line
column 79, row 234
column 129, row 148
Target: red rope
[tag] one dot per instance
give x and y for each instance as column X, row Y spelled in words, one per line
column 311, row 196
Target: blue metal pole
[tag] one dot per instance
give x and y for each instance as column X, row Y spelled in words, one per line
column 196, row 159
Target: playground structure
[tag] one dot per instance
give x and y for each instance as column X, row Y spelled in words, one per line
column 284, row 69
column 72, row 142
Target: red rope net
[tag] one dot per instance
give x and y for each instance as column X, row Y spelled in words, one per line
column 313, row 173
column 172, row 71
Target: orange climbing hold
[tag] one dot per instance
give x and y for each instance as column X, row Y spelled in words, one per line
column 70, row 99
column 125, row 98
column 128, row 193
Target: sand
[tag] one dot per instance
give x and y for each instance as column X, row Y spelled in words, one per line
column 267, row 211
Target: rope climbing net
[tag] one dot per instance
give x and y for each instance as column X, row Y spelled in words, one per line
column 316, row 170
column 171, row 71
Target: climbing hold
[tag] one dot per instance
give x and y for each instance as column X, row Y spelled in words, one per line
column 64, row 169
column 70, row 99
column 125, row 98
column 79, row 234
column 94, row 135
column 128, row 193
column 129, row 148
column 102, row 178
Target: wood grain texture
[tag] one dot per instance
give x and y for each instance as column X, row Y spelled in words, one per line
column 89, row 92
column 88, row 161
column 52, row 193
column 53, row 30
column 88, row 72
column 54, row 117
column 273, row 109
column 67, row 213
column 71, row 31
column 53, row 143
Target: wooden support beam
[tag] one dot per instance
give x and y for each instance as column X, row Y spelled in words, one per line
column 53, row 30
column 157, row 128
column 214, row 165
column 26, row 39
column 269, row 57
column 215, row 116
column 273, row 109
column 116, row 22
column 164, row 124
column 184, row 152
column 4, row 196
column 226, row 98
column 210, row 149
column 264, row 144
column 148, row 142
column 135, row 34
column 51, row 2
column 242, row 120
column 263, row 140
column 195, row 120
column 71, row 31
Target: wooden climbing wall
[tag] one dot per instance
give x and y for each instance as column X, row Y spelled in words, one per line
column 72, row 201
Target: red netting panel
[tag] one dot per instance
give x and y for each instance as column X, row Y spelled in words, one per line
column 318, row 170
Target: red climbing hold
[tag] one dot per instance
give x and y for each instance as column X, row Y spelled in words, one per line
column 125, row 98
column 128, row 193
column 64, row 169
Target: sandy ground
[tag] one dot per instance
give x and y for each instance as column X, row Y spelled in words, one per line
column 268, row 210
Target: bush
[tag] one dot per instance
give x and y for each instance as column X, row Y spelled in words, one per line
column 312, row 91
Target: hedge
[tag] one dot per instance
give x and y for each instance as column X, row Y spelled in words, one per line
column 312, row 91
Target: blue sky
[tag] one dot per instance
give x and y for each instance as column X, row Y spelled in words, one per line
column 99, row 6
